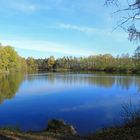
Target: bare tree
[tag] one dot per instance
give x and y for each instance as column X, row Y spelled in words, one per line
column 130, row 20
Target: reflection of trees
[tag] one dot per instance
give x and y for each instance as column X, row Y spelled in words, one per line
column 124, row 82
column 51, row 77
column 137, row 83
column 42, row 76
column 86, row 79
column 102, row 80
column 98, row 79
column 9, row 85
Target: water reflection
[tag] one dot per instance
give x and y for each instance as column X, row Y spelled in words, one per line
column 88, row 101
column 100, row 80
column 9, row 85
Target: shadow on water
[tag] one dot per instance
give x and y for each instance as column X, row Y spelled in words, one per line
column 9, row 85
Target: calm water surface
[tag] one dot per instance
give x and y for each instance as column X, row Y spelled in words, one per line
column 88, row 101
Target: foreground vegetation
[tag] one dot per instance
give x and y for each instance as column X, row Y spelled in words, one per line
column 11, row 61
column 59, row 130
column 116, row 133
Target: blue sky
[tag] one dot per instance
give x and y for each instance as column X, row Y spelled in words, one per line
column 41, row 28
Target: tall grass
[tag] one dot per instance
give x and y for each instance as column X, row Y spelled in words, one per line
column 131, row 115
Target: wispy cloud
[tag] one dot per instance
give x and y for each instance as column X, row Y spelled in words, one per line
column 46, row 46
column 19, row 5
column 94, row 31
column 78, row 28
column 27, row 8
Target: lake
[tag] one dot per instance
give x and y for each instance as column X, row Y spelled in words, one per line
column 88, row 101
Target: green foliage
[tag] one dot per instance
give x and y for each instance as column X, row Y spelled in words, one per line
column 50, row 63
column 31, row 64
column 106, row 62
column 10, row 60
column 137, row 58
column 46, row 64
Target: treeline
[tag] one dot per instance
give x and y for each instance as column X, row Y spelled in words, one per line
column 106, row 62
column 11, row 61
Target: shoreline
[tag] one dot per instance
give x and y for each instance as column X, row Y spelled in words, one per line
column 107, row 134
column 128, row 131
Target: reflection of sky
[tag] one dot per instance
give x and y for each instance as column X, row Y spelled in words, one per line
column 89, row 102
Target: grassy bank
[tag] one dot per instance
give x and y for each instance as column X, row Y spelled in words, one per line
column 121, row 133
column 129, row 131
column 126, row 132
column 18, row 135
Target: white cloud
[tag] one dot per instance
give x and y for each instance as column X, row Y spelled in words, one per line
column 30, row 7
column 25, row 7
column 19, row 5
column 78, row 28
column 46, row 46
column 119, row 35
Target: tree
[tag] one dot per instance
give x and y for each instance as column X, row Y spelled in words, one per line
column 137, row 53
column 31, row 64
column 10, row 60
column 130, row 20
column 50, row 63
column 137, row 58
